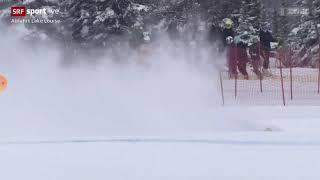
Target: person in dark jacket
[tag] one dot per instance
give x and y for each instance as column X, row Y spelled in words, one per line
column 254, row 51
column 173, row 30
column 265, row 39
column 243, row 59
column 227, row 30
column 219, row 34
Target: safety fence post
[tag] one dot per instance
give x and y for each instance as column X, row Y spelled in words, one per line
column 260, row 79
column 235, row 86
column 221, row 86
column 281, row 76
column 319, row 72
column 260, row 67
column 236, row 76
column 291, row 75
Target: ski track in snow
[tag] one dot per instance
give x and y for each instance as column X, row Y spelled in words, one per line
column 189, row 141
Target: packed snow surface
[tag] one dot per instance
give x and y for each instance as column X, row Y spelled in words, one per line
column 164, row 121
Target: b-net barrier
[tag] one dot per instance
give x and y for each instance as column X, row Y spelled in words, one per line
column 287, row 86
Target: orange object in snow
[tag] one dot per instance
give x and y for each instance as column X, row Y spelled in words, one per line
column 3, row 83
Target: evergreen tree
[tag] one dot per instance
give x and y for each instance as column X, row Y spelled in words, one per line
column 283, row 22
column 275, row 24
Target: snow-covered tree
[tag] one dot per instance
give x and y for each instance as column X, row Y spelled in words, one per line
column 104, row 23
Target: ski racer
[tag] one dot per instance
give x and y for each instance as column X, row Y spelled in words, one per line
column 223, row 37
column 218, row 33
column 227, row 30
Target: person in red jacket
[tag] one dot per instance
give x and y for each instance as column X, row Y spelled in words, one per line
column 242, row 56
column 237, row 57
column 243, row 59
column 231, row 57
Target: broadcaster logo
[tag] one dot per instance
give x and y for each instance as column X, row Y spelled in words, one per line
column 22, row 11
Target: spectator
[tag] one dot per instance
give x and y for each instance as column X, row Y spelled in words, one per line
column 265, row 39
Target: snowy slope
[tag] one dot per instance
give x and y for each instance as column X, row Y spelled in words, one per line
column 292, row 153
column 159, row 161
column 159, row 121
